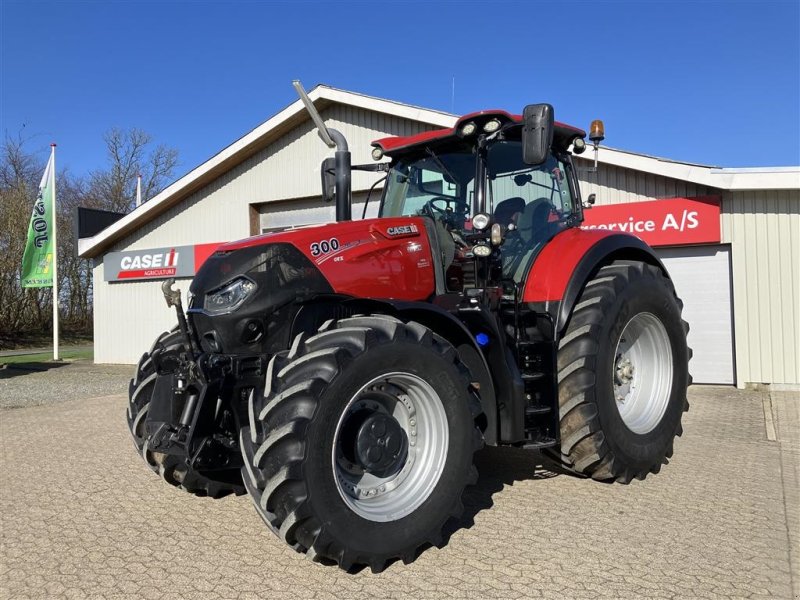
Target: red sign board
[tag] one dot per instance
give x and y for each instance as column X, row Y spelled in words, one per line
column 671, row 222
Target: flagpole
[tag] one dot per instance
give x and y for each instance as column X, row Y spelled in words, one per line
column 55, row 252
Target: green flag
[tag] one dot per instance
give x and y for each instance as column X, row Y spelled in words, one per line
column 37, row 262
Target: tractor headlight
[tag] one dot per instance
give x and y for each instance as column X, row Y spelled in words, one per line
column 228, row 298
column 480, row 221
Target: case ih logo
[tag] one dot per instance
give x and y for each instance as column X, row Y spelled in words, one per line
column 156, row 263
column 672, row 222
column 149, row 265
column 402, row 231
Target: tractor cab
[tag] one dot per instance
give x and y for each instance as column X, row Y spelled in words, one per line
column 473, row 183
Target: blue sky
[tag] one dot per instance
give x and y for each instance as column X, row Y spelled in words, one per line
column 709, row 82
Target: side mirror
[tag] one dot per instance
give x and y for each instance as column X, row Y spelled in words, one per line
column 537, row 133
column 590, row 201
column 328, row 173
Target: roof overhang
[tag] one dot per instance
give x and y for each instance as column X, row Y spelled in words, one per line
column 761, row 178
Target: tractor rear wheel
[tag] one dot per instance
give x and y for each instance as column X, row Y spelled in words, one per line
column 623, row 374
column 172, row 469
column 362, row 445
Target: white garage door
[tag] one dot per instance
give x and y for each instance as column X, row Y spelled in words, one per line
column 309, row 211
column 702, row 277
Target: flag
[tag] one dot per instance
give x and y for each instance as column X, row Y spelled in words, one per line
column 37, row 261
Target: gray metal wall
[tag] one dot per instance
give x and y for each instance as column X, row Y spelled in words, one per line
column 617, row 185
column 127, row 316
column 763, row 229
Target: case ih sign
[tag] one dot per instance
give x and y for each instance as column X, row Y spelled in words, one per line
column 156, row 263
column 672, row 222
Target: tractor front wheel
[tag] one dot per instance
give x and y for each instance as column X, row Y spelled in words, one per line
column 363, row 443
column 623, row 374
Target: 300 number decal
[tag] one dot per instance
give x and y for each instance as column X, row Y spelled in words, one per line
column 324, row 246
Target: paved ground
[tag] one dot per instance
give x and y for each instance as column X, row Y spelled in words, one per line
column 81, row 516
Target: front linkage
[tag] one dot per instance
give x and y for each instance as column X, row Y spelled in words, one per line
column 196, row 405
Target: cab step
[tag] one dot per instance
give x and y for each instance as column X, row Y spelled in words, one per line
column 539, row 444
column 536, row 409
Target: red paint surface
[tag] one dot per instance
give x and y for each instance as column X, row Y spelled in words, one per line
column 390, row 144
column 202, row 252
column 369, row 262
column 671, row 222
column 550, row 274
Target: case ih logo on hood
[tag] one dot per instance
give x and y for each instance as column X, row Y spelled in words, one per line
column 402, row 231
column 149, row 264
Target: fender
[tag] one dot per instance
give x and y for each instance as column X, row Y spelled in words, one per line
column 570, row 259
column 315, row 312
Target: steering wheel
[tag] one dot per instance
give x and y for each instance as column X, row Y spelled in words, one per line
column 446, row 214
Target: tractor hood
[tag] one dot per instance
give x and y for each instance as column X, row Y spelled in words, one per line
column 247, row 291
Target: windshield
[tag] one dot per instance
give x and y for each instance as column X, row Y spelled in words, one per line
column 532, row 203
column 441, row 185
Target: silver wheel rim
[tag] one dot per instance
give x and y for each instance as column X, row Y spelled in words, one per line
column 642, row 373
column 419, row 411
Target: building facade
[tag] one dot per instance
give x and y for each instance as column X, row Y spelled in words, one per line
column 737, row 269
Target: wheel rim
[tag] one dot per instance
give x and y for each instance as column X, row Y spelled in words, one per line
column 397, row 404
column 642, row 373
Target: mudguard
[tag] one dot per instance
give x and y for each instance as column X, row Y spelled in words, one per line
column 312, row 314
column 569, row 260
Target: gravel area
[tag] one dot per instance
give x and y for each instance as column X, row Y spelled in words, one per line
column 22, row 386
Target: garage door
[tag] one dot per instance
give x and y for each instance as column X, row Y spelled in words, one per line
column 702, row 277
column 309, row 211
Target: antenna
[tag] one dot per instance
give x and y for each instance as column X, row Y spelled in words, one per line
column 453, row 96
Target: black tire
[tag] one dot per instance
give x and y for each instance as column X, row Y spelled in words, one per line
column 288, row 448
column 172, row 469
column 595, row 440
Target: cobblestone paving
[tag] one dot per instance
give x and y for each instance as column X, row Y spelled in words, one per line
column 81, row 516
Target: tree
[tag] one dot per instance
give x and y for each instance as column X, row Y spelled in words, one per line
column 130, row 153
column 27, row 310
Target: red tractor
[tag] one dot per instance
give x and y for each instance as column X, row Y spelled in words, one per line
column 344, row 375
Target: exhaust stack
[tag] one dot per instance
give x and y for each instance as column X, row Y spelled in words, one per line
column 341, row 161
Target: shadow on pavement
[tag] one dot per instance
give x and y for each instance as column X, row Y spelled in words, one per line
column 8, row 371
column 498, row 467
